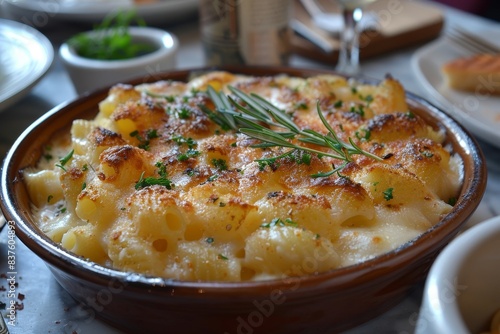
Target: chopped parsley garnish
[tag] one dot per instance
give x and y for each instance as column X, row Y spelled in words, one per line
column 191, row 144
column 301, row 105
column 427, row 154
column 410, row 114
column 162, row 180
column 368, row 98
column 180, row 140
column 63, row 161
column 49, row 198
column 162, row 169
column 279, row 222
column 213, row 178
column 144, row 142
column 152, row 133
column 190, row 153
column 360, row 110
column 222, row 257
column 305, row 158
column 149, row 181
column 452, row 201
column 183, row 113
column 363, row 134
column 220, row 164
column 388, row 194
column 271, row 162
column 191, row 172
column 338, row 104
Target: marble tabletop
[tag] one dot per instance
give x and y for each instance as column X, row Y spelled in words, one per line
column 47, row 308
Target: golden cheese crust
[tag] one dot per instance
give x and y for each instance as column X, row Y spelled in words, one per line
column 154, row 186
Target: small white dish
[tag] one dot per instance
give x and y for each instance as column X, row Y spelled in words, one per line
column 25, row 58
column 478, row 112
column 91, row 74
column 462, row 291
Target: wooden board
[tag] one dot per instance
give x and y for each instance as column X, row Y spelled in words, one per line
column 401, row 23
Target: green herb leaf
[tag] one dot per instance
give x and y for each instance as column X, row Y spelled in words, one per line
column 220, row 164
column 388, row 194
column 149, row 181
column 144, row 142
column 427, row 154
column 213, row 178
column 63, row 161
column 180, row 140
column 190, row 153
column 183, row 113
column 111, row 39
column 279, row 222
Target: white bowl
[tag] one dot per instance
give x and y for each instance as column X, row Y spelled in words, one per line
column 90, row 74
column 462, row 291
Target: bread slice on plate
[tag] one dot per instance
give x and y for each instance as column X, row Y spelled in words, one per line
column 479, row 74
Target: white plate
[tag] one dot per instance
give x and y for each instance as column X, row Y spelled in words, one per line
column 93, row 11
column 478, row 112
column 25, row 58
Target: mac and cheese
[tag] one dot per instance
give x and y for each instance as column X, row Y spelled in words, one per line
column 153, row 185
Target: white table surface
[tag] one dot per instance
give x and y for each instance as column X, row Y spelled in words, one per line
column 49, row 309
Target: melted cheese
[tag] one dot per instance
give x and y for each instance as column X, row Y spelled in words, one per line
column 224, row 217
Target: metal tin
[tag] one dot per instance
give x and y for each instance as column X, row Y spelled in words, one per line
column 251, row 32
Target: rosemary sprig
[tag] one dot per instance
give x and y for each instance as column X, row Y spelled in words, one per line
column 258, row 119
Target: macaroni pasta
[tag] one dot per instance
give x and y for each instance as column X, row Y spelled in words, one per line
column 153, row 185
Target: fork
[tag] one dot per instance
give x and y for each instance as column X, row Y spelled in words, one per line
column 471, row 42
